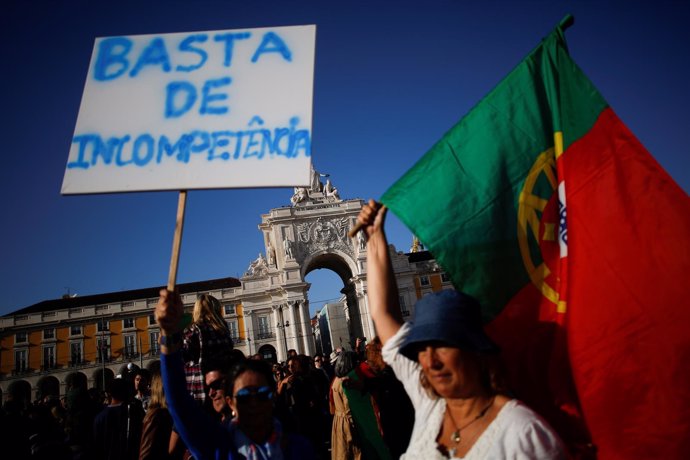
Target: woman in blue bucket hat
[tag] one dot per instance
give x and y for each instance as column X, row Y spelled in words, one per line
column 449, row 368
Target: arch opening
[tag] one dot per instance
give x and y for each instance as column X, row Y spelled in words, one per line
column 268, row 353
column 334, row 305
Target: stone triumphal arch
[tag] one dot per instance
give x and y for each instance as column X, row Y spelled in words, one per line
column 309, row 234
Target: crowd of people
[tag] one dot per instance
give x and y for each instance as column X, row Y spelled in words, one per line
column 298, row 406
column 308, row 407
column 455, row 404
column 84, row 423
column 427, row 389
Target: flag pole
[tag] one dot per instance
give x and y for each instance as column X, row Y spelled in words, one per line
column 566, row 22
column 177, row 240
column 354, row 230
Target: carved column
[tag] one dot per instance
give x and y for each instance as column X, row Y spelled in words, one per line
column 296, row 326
column 249, row 331
column 279, row 333
column 308, row 334
column 364, row 310
column 293, row 335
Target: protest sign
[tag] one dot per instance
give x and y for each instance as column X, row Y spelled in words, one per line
column 202, row 110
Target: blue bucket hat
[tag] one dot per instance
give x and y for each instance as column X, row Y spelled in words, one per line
column 447, row 317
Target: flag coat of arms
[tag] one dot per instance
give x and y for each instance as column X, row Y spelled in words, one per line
column 545, row 207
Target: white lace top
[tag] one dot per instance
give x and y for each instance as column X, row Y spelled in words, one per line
column 516, row 433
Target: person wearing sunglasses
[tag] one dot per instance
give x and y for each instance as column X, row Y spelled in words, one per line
column 249, row 391
column 216, row 370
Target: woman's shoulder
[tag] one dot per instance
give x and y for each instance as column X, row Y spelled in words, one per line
column 521, row 429
column 515, row 411
column 158, row 413
column 158, row 417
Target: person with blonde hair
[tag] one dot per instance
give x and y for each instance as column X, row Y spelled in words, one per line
column 157, row 426
column 207, row 336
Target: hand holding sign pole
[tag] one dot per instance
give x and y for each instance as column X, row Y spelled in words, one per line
column 202, row 110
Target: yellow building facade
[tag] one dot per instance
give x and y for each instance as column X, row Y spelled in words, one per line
column 49, row 346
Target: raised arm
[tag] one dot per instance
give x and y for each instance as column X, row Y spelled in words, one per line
column 203, row 436
column 382, row 289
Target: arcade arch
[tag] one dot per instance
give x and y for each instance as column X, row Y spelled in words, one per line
column 19, row 390
column 47, row 385
column 76, row 380
column 102, row 378
column 268, row 353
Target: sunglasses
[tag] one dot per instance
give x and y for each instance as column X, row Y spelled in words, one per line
column 260, row 394
column 216, row 384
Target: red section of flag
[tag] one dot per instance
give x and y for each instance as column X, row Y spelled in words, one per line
column 534, row 350
column 628, row 304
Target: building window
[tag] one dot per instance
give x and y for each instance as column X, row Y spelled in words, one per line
column 445, row 277
column 403, row 307
column 155, row 346
column 103, row 326
column 48, row 333
column 20, row 361
column 21, row 337
column 130, row 346
column 152, row 319
column 229, row 308
column 424, row 280
column 76, row 356
column 264, row 327
column 103, row 349
column 75, row 330
column 128, row 323
column 232, row 327
column 48, row 357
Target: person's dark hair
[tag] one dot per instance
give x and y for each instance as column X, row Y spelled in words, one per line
column 262, row 368
column 143, row 372
column 120, row 389
column 282, row 373
column 237, row 355
column 95, row 394
column 292, row 358
column 347, row 360
column 305, row 362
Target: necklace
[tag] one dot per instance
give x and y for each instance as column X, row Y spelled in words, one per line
column 455, row 435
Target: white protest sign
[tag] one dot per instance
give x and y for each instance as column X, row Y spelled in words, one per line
column 215, row 109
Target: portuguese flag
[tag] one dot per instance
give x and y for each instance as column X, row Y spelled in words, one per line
column 545, row 207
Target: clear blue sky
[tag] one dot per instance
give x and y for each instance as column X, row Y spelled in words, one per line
column 391, row 77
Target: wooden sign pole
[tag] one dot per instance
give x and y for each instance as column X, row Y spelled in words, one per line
column 177, row 240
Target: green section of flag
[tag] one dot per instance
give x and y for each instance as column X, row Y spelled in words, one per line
column 461, row 198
